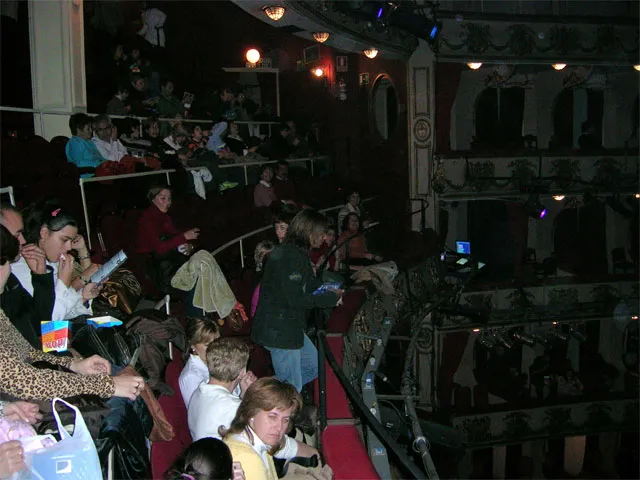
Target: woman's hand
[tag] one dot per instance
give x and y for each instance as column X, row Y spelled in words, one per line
column 192, row 234
column 128, row 386
column 238, row 472
column 65, row 268
column 35, row 258
column 27, row 411
column 93, row 365
column 90, row 291
column 11, row 458
column 247, row 381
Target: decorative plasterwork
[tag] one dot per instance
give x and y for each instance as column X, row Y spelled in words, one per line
column 522, row 43
column 392, row 42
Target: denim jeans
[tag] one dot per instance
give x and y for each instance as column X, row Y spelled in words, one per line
column 297, row 367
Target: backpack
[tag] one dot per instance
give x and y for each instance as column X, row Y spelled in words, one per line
column 157, row 329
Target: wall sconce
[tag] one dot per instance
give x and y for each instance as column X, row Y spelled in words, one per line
column 252, row 56
column 474, row 65
column 318, row 72
column 559, row 66
column 274, row 12
column 637, row 67
column 370, row 52
column 321, row 37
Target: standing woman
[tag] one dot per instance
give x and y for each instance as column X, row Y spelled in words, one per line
column 287, row 297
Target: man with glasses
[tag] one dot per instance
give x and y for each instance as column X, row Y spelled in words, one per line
column 106, row 139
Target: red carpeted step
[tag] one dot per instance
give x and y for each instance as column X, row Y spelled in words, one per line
column 337, row 403
column 163, row 454
column 346, row 454
column 343, row 315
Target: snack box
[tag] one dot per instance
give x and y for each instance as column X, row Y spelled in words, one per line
column 104, row 322
column 55, row 335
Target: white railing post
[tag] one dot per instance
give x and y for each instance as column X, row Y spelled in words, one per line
column 241, row 253
column 246, row 177
column 86, row 212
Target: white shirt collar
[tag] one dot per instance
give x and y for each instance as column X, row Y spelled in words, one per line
column 266, row 184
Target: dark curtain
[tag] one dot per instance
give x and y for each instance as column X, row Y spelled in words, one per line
column 511, row 116
column 447, row 82
column 595, row 112
column 453, row 347
column 486, row 118
column 562, row 121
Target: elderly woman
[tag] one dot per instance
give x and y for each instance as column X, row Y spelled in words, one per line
column 89, row 376
column 166, row 246
column 286, row 298
column 261, row 422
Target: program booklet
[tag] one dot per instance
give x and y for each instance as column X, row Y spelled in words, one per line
column 108, row 268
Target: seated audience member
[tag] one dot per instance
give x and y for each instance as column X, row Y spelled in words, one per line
column 282, row 185
column 106, row 139
column 352, row 206
column 214, row 403
column 151, row 133
column 131, row 137
column 263, row 193
column 258, row 431
column 141, row 101
column 220, row 104
column 26, row 311
column 287, row 296
column 117, row 105
column 281, row 224
column 539, row 369
column 200, row 333
column 319, row 255
column 235, row 142
column 216, row 134
column 197, row 143
column 278, row 147
column 53, row 230
column 80, row 150
column 260, row 256
column 569, row 384
column 18, row 378
column 177, row 139
column 167, row 247
column 168, row 105
column 352, row 243
column 206, row 459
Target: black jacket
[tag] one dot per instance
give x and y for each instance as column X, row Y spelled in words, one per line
column 286, row 298
column 26, row 312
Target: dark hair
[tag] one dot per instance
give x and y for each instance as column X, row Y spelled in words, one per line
column 205, row 459
column 345, row 221
column 165, row 80
column 303, row 225
column 46, row 213
column 350, row 192
column 9, row 246
column 284, row 216
column 155, row 190
column 7, row 207
column 264, row 167
column 282, row 163
column 120, row 88
column 283, row 127
column 78, row 121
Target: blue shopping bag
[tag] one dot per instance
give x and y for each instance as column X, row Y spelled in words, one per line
column 74, row 457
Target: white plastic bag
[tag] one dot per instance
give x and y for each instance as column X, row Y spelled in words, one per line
column 74, row 457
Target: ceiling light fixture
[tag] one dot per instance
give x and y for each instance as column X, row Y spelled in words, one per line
column 321, row 37
column 371, row 52
column 558, row 198
column 637, row 67
column 474, row 65
column 559, row 66
column 318, row 72
column 274, row 12
column 252, row 56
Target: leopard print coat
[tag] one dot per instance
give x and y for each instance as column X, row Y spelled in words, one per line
column 20, row 380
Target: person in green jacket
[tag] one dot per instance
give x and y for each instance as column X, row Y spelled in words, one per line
column 287, row 297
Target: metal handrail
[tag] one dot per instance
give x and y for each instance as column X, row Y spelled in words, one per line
column 9, row 190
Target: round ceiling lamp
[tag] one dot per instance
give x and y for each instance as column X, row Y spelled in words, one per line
column 318, row 72
column 252, row 56
column 559, row 66
column 558, row 198
column 321, row 37
column 274, row 12
column 371, row 52
column 474, row 65
column 637, row 67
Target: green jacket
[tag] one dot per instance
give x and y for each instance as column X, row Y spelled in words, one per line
column 286, row 298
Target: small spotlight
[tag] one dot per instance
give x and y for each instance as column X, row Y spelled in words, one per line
column 486, row 342
column 524, row 338
column 559, row 66
column 559, row 334
column 558, row 198
column 637, row 67
column 476, row 330
column 474, row 65
column 503, row 339
column 318, row 72
column 637, row 195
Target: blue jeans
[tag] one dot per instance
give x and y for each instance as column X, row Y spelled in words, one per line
column 297, row 367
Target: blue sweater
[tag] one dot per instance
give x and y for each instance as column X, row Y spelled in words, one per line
column 83, row 153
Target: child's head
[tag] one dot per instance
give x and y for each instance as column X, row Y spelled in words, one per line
column 227, row 359
column 196, row 133
column 281, row 224
column 81, row 125
column 205, row 459
column 201, row 332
